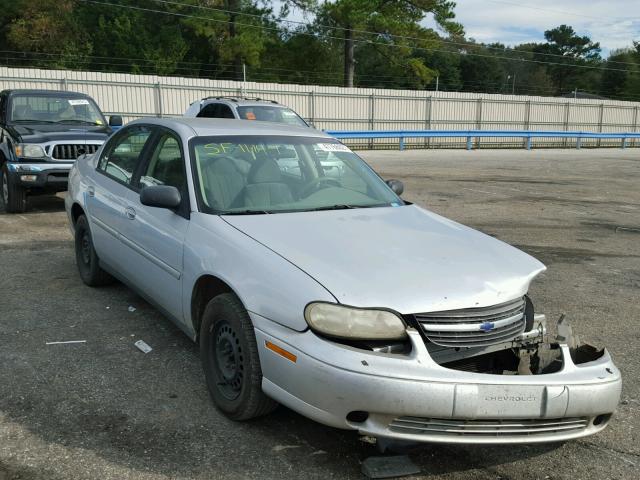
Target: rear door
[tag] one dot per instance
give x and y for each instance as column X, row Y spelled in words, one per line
column 107, row 193
column 157, row 234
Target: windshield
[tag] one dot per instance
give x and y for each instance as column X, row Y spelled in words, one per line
column 271, row 174
column 267, row 113
column 54, row 109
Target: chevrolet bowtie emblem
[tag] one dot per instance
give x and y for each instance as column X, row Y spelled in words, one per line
column 487, row 326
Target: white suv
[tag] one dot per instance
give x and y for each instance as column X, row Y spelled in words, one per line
column 241, row 108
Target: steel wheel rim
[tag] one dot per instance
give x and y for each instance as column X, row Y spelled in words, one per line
column 85, row 248
column 228, row 357
column 5, row 189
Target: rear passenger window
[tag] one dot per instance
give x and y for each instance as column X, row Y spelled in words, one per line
column 166, row 166
column 121, row 157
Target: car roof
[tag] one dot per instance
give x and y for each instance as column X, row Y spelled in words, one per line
column 204, row 127
column 33, row 91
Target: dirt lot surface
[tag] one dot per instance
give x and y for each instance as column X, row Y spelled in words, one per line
column 104, row 410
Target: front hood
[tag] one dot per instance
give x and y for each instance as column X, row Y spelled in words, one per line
column 36, row 133
column 403, row 258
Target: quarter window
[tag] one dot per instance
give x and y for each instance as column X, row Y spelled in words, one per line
column 122, row 157
column 166, row 166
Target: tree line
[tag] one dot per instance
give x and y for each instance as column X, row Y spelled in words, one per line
column 361, row 43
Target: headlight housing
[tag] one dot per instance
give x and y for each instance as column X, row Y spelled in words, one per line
column 354, row 323
column 29, row 150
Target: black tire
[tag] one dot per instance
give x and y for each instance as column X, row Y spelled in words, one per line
column 230, row 360
column 86, row 257
column 14, row 197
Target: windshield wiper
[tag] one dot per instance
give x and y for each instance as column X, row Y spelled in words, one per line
column 74, row 120
column 31, row 120
column 245, row 212
column 336, row 207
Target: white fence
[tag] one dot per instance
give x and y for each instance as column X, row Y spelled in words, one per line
column 337, row 108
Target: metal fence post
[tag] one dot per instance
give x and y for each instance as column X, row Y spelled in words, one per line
column 526, row 125
column 478, row 119
column 63, row 82
column 601, row 115
column 566, row 120
column 427, row 118
column 312, row 107
column 635, row 124
column 158, row 90
column 372, row 100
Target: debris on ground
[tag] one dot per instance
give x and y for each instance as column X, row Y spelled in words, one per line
column 65, row 342
column 389, row 467
column 143, row 346
column 131, row 308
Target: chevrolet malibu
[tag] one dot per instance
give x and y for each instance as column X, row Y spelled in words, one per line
column 321, row 289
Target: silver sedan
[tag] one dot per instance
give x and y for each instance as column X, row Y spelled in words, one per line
column 319, row 288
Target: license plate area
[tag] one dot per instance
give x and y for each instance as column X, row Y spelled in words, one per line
column 506, row 401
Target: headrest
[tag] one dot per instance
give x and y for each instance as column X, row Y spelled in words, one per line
column 265, row 171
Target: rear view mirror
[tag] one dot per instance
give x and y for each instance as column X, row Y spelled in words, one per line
column 396, row 185
column 160, row 196
column 115, row 121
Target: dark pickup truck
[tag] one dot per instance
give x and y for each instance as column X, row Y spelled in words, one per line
column 42, row 133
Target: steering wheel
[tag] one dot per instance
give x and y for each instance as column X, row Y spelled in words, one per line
column 315, row 184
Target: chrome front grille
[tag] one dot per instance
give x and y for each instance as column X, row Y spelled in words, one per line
column 487, row 428
column 475, row 327
column 71, row 151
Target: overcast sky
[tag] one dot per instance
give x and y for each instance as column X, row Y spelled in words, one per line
column 613, row 23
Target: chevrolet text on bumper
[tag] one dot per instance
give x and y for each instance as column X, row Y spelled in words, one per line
column 319, row 288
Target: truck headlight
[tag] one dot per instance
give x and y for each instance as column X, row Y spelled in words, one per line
column 355, row 323
column 27, row 150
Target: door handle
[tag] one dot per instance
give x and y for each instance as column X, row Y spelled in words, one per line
column 130, row 213
column 91, row 191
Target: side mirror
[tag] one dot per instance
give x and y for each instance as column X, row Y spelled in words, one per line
column 396, row 185
column 160, row 196
column 115, row 121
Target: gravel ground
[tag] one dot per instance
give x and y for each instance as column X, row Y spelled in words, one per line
column 104, row 410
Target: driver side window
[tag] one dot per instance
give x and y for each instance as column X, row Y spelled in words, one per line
column 121, row 157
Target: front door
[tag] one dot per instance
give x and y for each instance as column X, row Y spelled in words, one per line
column 107, row 192
column 157, row 234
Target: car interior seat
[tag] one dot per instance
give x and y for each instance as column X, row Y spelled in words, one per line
column 224, row 182
column 265, row 186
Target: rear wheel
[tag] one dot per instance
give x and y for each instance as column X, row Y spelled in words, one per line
column 230, row 360
column 86, row 257
column 14, row 197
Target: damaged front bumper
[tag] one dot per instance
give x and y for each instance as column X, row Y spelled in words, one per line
column 411, row 397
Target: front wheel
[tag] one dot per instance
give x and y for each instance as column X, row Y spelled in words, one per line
column 14, row 197
column 230, row 360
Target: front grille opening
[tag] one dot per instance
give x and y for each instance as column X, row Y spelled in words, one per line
column 488, row 428
column 508, row 362
column 71, row 151
column 477, row 327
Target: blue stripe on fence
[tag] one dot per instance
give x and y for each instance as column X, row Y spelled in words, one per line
column 471, row 134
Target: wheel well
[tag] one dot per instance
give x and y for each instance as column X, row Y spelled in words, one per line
column 206, row 288
column 76, row 211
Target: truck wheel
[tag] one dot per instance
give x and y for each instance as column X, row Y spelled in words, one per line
column 14, row 197
column 230, row 360
column 86, row 257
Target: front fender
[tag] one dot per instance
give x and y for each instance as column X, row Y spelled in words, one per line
column 265, row 282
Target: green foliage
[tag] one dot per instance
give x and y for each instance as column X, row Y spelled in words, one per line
column 366, row 43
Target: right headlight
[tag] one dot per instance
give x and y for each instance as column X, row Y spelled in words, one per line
column 354, row 323
column 29, row 150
